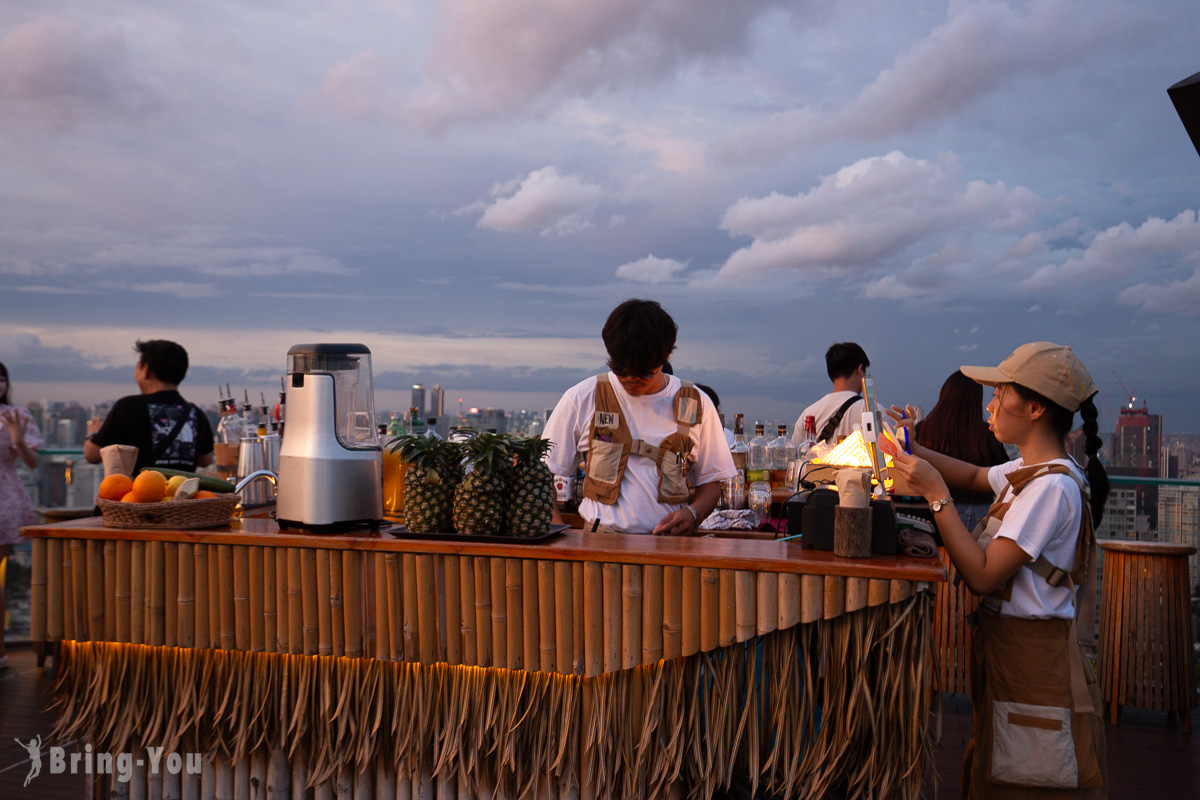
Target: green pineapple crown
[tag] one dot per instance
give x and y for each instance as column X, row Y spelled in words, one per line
column 487, row 453
column 530, row 449
column 428, row 452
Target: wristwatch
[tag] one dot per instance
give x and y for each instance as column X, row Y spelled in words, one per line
column 938, row 505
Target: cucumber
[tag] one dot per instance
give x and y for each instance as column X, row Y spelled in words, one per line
column 206, row 482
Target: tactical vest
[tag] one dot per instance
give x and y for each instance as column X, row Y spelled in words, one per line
column 610, row 446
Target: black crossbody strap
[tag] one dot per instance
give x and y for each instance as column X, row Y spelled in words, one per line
column 827, row 432
column 166, row 443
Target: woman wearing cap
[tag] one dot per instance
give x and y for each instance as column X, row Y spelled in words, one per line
column 1038, row 729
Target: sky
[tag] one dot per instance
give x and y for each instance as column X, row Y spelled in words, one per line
column 469, row 187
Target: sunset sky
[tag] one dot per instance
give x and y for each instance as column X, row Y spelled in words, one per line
column 469, row 187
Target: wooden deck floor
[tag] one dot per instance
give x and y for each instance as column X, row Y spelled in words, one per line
column 1147, row 759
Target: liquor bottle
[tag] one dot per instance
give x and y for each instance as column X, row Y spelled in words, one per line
column 733, row 490
column 757, row 467
column 738, row 450
column 395, row 426
column 780, row 453
column 804, row 449
column 416, row 425
column 431, row 428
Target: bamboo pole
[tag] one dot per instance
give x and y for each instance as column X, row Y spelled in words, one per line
column 877, row 592
column 95, row 589
column 547, row 633
column 68, row 592
column 336, row 607
column 270, row 601
column 514, row 613
column 727, row 616
column 499, row 619
column 37, row 594
column 324, row 602
column 214, row 596
column 612, row 616
column 352, row 603
column 900, row 591
column 279, row 776
column 385, row 782
column 483, row 611
column 385, row 601
column 709, row 611
column 257, row 613
column 412, row 650
column 225, row 571
column 299, row 782
column 593, row 616
column 137, row 594
column 789, row 600
column 690, row 603
column 747, row 608
column 156, row 622
column 835, row 596
column 398, row 600
column 240, row 558
column 768, row 601
column 578, row 636
column 283, row 620
column 295, row 593
column 530, row 629
column 200, row 569
column 224, row 769
column 185, row 607
column 258, row 774
column 171, row 594
column 54, row 590
column 172, row 782
column 110, row 591
column 631, row 615
column 672, row 612
column 652, row 613
column 812, row 589
column 856, row 594
column 453, row 594
column 466, row 604
column 427, row 610
column 309, row 599
column 79, row 593
column 564, row 625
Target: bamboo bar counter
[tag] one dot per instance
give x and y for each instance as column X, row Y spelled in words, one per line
column 590, row 665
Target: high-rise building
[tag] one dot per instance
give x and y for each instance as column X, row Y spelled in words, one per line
column 418, row 399
column 1179, row 521
column 437, row 408
column 1135, row 450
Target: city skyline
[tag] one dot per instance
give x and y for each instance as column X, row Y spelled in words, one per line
column 940, row 183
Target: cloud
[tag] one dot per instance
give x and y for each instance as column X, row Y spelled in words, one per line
column 651, row 269
column 54, row 74
column 981, row 47
column 890, row 211
column 498, row 59
column 217, row 252
column 1176, row 297
column 556, row 204
column 1121, row 250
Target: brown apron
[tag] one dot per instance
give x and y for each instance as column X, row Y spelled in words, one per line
column 1038, row 727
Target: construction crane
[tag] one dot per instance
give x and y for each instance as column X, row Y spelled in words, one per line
column 1128, row 393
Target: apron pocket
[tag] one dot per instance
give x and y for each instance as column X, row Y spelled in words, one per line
column 604, row 462
column 1032, row 746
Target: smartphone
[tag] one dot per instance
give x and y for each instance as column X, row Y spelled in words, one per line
column 872, row 429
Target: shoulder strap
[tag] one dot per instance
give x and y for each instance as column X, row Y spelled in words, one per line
column 827, row 431
column 165, row 444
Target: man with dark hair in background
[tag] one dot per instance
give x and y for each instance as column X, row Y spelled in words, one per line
column 648, row 437
column 167, row 430
column 838, row 413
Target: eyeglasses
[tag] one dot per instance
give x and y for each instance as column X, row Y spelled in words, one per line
column 623, row 375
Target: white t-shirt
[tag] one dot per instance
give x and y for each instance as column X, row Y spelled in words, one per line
column 824, row 409
column 650, row 418
column 1044, row 519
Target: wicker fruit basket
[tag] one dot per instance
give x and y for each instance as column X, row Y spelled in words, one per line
column 208, row 512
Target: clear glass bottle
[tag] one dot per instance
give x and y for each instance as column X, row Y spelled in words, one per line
column 757, row 466
column 781, row 451
column 230, row 428
column 738, row 450
column 733, row 490
column 804, row 448
column 431, row 428
column 416, row 425
column 395, row 425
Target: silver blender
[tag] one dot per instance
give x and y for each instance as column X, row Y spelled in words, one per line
column 330, row 461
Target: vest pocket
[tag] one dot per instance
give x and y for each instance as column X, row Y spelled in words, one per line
column 604, row 462
column 672, row 484
column 1032, row 746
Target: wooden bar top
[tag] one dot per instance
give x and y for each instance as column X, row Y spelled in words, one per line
column 571, row 545
column 1146, row 548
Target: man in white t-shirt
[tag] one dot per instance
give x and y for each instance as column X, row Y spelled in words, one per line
column 648, row 436
column 838, row 413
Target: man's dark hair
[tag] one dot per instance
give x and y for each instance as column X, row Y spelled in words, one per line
column 843, row 358
column 639, row 337
column 167, row 361
column 712, row 394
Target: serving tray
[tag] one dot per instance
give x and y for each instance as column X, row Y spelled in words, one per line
column 401, row 531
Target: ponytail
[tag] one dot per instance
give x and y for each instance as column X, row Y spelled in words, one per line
column 1097, row 477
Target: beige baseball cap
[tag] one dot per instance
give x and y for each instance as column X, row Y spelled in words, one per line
column 1051, row 370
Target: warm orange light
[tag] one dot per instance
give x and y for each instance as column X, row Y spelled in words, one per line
column 852, row 452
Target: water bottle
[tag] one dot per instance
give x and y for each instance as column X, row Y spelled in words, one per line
column 758, row 469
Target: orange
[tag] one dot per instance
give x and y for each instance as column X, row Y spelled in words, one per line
column 203, row 494
column 149, row 486
column 114, row 487
column 128, row 498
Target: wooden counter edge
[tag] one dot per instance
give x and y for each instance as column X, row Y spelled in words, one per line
column 572, row 545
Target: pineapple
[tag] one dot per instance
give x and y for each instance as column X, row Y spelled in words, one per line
column 429, row 482
column 480, row 500
column 531, row 495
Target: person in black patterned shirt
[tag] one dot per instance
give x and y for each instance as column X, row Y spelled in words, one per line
column 167, row 430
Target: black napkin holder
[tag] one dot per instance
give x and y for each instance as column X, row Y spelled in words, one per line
column 811, row 514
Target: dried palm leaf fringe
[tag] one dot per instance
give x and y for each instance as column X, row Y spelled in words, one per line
column 836, row 703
